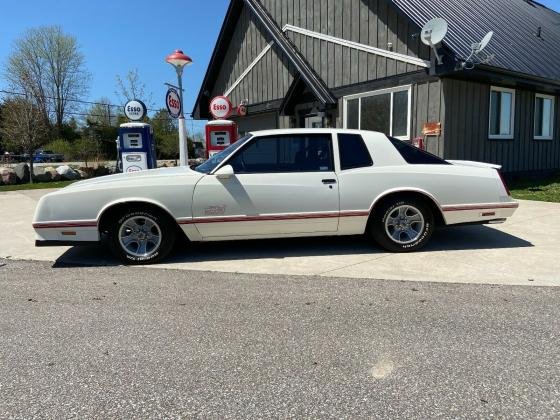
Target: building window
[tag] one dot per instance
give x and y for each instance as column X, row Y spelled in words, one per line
column 544, row 117
column 387, row 111
column 502, row 113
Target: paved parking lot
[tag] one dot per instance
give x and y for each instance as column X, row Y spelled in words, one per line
column 523, row 251
column 122, row 342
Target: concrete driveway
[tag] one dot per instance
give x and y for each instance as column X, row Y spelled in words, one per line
column 523, row 251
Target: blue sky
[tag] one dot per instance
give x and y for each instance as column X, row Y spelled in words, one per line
column 120, row 35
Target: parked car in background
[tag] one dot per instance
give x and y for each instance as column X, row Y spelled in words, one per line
column 45, row 156
column 279, row 183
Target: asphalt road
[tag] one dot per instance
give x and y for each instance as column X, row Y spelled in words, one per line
column 134, row 343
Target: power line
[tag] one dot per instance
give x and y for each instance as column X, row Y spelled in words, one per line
column 80, row 101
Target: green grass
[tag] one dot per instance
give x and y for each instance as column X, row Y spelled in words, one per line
column 35, row 186
column 540, row 190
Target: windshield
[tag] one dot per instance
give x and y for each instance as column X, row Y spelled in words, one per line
column 215, row 160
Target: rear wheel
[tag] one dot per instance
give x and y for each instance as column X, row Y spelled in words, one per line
column 141, row 236
column 402, row 225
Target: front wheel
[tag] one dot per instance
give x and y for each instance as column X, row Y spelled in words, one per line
column 141, row 236
column 402, row 225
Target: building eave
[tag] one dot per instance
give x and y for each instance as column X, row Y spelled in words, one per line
column 222, row 43
column 281, row 41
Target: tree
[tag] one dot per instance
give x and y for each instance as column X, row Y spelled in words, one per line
column 167, row 136
column 86, row 150
column 48, row 65
column 102, row 113
column 23, row 127
column 131, row 87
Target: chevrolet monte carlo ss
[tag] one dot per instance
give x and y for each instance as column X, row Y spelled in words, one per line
column 279, row 183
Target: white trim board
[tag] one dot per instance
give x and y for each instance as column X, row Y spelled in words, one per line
column 350, row 44
column 249, row 68
column 357, row 46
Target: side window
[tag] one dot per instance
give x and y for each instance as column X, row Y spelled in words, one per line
column 289, row 153
column 353, row 152
column 414, row 155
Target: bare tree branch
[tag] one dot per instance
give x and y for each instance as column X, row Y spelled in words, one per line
column 23, row 127
column 46, row 63
column 131, row 87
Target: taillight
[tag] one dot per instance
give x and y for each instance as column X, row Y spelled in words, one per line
column 503, row 182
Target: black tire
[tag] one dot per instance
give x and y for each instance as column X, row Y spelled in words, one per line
column 384, row 231
column 155, row 250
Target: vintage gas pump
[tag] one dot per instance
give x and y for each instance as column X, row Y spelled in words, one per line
column 136, row 147
column 219, row 135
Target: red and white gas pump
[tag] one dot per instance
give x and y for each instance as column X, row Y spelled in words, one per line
column 221, row 132
column 219, row 135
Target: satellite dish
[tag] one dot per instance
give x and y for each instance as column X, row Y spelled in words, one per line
column 480, row 46
column 476, row 49
column 433, row 33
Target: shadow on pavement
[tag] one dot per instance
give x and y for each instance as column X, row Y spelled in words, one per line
column 448, row 239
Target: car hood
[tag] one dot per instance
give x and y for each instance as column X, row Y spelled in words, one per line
column 141, row 176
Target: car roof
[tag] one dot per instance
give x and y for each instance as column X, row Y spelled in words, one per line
column 284, row 131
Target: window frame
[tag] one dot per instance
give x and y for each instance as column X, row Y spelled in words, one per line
column 255, row 138
column 552, row 116
column 512, row 116
column 391, row 91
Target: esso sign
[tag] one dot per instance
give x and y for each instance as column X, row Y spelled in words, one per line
column 173, row 103
column 242, row 110
column 135, row 110
column 220, row 107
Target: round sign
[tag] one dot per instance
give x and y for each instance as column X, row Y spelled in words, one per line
column 242, row 110
column 135, row 110
column 173, row 103
column 220, row 107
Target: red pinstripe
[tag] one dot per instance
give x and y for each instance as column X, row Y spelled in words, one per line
column 300, row 216
column 56, row 225
column 481, row 207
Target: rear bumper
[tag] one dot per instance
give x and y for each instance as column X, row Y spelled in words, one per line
column 479, row 213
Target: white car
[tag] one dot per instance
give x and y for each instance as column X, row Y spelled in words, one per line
column 279, row 183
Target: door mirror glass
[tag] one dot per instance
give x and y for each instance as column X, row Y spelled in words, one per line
column 225, row 172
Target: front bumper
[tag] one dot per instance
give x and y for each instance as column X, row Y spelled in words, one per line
column 43, row 243
column 66, row 232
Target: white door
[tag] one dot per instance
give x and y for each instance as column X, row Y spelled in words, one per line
column 283, row 185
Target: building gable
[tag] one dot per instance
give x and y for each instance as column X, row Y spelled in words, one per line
column 351, row 41
column 252, row 68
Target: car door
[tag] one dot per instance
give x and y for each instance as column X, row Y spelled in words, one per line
column 282, row 185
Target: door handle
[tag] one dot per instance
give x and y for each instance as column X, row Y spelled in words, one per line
column 329, row 181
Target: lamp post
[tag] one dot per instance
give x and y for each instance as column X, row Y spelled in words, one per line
column 179, row 60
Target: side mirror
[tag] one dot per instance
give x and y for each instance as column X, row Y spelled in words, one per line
column 225, row 172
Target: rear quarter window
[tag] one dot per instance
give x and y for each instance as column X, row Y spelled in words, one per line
column 353, row 152
column 414, row 155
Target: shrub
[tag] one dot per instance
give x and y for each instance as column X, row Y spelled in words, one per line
column 62, row 146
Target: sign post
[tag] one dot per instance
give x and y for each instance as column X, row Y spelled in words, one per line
column 179, row 60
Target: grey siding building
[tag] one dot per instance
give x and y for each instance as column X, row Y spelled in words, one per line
column 361, row 64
